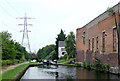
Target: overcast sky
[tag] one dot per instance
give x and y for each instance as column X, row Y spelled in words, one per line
column 50, row 17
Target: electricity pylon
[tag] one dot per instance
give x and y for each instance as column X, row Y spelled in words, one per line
column 25, row 31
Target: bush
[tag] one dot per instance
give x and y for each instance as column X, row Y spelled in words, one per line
column 63, row 57
column 77, row 64
column 4, row 62
column 106, row 67
column 17, row 61
column 7, row 62
column 84, row 64
column 88, row 65
column 22, row 60
column 68, row 61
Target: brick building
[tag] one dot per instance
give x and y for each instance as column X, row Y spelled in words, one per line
column 99, row 39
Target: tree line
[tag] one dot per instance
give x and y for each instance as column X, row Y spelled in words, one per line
column 51, row 51
column 47, row 52
column 12, row 50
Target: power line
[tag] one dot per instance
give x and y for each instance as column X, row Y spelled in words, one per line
column 8, row 26
column 7, row 12
column 12, row 7
column 25, row 31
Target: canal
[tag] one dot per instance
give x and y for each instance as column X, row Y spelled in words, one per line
column 64, row 72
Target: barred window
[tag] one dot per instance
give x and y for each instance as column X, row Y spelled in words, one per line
column 83, row 37
column 103, row 42
column 89, row 45
column 114, row 39
column 97, row 43
column 93, row 44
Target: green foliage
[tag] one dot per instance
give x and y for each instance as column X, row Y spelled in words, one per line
column 12, row 50
column 7, row 62
column 105, row 67
column 110, row 10
column 62, row 59
column 47, row 52
column 68, row 61
column 12, row 73
column 61, row 37
column 84, row 64
column 101, row 67
column 70, row 45
column 88, row 65
column 34, row 63
column 77, row 64
column 65, row 61
column 23, row 58
column 51, row 56
column 97, row 64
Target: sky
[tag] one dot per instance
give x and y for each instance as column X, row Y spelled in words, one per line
column 50, row 17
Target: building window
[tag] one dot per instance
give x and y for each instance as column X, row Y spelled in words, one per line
column 89, row 45
column 93, row 44
column 103, row 42
column 114, row 39
column 83, row 37
column 62, row 49
column 63, row 53
column 96, row 43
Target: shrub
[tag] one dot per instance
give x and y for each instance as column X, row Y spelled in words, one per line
column 63, row 57
column 84, row 64
column 4, row 62
column 77, row 64
column 22, row 60
column 7, row 62
column 97, row 64
column 106, row 67
column 88, row 65
column 16, row 61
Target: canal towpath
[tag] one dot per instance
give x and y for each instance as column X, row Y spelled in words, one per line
column 11, row 67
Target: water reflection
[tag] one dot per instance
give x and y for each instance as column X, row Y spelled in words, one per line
column 64, row 72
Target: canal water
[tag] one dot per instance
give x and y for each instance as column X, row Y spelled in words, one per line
column 53, row 72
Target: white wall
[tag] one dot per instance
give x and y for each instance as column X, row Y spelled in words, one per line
column 60, row 51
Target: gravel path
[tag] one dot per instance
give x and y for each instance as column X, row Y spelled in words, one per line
column 11, row 67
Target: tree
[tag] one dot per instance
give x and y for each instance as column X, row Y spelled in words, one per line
column 8, row 51
column 12, row 50
column 45, row 51
column 51, row 56
column 61, row 37
column 70, row 45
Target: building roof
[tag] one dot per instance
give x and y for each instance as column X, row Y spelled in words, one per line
column 61, row 43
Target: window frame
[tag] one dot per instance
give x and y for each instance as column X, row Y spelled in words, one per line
column 83, row 37
column 103, row 41
column 114, row 39
column 97, row 43
column 92, row 44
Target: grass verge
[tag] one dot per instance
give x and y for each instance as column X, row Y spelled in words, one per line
column 63, row 61
column 34, row 63
column 12, row 73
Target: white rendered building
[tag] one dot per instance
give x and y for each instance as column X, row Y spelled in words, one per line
column 61, row 48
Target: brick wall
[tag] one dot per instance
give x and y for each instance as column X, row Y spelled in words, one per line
column 103, row 24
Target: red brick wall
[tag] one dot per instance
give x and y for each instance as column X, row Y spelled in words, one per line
column 109, row 56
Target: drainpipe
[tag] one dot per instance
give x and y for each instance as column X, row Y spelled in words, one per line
column 118, row 29
column 118, row 34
